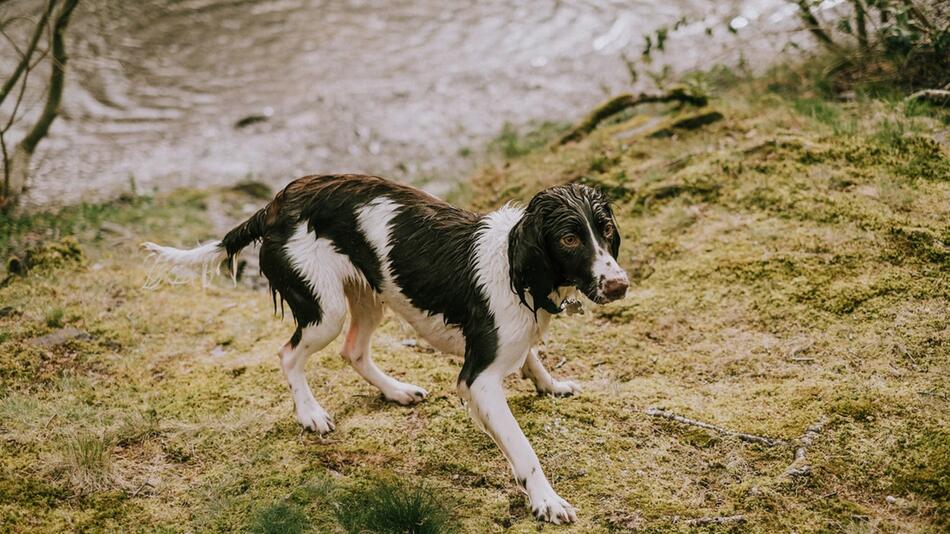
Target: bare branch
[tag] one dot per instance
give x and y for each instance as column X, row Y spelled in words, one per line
column 26, row 55
column 919, row 15
column 813, row 26
column 57, row 80
column 751, row 438
column 861, row 27
column 799, row 466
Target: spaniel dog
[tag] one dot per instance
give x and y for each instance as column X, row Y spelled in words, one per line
column 481, row 286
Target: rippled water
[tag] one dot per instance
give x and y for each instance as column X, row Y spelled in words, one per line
column 398, row 88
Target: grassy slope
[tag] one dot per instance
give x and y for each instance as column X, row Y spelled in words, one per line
column 792, row 227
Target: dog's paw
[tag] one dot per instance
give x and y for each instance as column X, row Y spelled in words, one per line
column 315, row 419
column 553, row 509
column 561, row 388
column 405, row 394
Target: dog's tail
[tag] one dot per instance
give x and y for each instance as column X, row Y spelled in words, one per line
column 177, row 265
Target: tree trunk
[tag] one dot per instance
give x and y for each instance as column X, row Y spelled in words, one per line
column 19, row 164
column 18, row 170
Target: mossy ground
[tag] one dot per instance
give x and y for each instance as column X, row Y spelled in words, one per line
column 794, row 265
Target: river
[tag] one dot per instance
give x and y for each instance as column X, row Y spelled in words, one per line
column 156, row 91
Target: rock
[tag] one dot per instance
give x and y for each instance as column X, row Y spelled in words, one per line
column 59, row 337
column 244, row 122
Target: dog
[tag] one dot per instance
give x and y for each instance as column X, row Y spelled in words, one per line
column 483, row 286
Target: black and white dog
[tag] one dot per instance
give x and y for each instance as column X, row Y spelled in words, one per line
column 482, row 286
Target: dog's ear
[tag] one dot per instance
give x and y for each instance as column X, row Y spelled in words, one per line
column 530, row 267
column 615, row 239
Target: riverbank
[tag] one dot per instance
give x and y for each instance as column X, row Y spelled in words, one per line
column 792, row 257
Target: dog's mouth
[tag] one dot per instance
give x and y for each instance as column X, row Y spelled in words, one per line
column 598, row 295
column 593, row 292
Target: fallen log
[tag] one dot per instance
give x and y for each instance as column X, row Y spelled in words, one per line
column 625, row 101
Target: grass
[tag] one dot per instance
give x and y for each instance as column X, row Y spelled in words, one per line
column 789, row 271
column 391, row 507
column 87, row 460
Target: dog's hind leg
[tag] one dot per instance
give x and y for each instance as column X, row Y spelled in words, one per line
column 293, row 359
column 315, row 296
column 366, row 312
column 544, row 383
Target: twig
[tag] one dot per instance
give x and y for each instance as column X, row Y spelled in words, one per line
column 751, row 438
column 813, row 26
column 561, row 363
column 716, row 520
column 934, row 393
column 799, row 467
column 792, row 355
column 26, row 55
column 146, row 483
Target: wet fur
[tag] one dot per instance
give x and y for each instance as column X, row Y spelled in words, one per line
column 480, row 285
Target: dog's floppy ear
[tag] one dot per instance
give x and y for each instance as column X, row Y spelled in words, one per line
column 530, row 267
column 615, row 239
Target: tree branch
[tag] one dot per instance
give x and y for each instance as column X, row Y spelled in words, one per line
column 751, row 438
column 799, row 467
column 57, row 80
column 861, row 27
column 813, row 26
column 28, row 53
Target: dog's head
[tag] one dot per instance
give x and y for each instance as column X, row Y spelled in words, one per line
column 567, row 237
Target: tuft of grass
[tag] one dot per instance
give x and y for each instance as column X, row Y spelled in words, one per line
column 87, row 458
column 54, row 317
column 386, row 506
column 279, row 518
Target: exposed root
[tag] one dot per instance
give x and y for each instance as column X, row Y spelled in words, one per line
column 625, row 101
column 716, row 520
column 751, row 438
column 799, row 466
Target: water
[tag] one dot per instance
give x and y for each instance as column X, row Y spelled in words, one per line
column 397, row 88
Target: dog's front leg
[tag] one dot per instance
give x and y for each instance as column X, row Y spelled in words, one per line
column 544, row 383
column 489, row 408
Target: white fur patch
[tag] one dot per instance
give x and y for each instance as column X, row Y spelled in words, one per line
column 517, row 328
column 375, row 221
column 323, row 268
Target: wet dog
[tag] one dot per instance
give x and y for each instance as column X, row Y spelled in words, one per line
column 479, row 285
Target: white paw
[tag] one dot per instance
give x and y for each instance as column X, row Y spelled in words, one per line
column 548, row 506
column 405, row 394
column 561, row 388
column 315, row 418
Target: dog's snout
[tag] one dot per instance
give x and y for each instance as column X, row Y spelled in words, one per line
column 615, row 288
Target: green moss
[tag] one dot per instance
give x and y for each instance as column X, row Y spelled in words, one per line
column 279, row 518
column 924, row 467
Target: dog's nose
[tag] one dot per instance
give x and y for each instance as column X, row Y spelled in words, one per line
column 615, row 288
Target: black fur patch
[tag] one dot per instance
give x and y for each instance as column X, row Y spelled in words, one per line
column 432, row 255
column 538, row 261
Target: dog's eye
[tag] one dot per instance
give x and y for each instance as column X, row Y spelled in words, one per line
column 609, row 230
column 570, row 241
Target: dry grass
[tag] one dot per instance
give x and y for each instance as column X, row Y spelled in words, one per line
column 795, row 270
